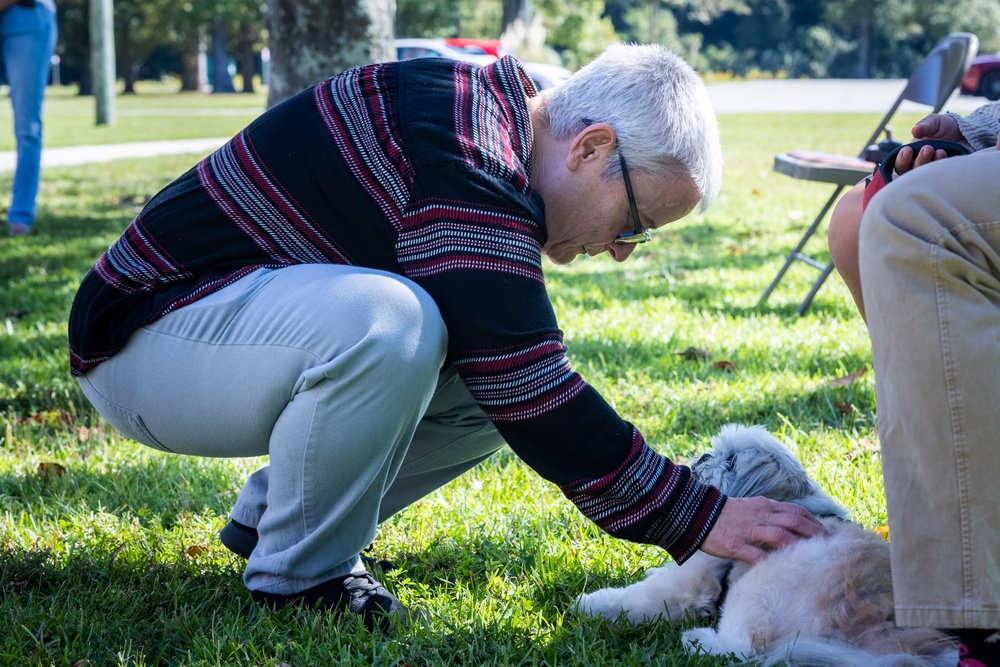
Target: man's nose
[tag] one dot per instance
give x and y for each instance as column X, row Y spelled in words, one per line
column 620, row 252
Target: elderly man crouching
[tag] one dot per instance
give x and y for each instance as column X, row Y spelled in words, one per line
column 354, row 286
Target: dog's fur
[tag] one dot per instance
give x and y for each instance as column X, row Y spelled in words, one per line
column 825, row 601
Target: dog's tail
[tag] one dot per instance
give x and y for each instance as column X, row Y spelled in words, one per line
column 911, row 648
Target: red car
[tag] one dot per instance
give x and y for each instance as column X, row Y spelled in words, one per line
column 983, row 78
column 490, row 47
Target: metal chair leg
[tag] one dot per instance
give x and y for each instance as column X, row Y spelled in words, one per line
column 824, row 274
column 797, row 254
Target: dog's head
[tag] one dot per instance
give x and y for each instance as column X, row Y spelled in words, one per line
column 748, row 461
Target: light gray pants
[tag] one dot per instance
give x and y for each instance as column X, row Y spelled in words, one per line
column 336, row 373
column 930, row 274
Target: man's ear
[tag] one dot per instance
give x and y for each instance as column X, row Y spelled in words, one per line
column 593, row 145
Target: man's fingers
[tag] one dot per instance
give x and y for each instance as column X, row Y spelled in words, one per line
column 749, row 528
column 906, row 160
column 748, row 553
column 788, row 527
column 925, row 127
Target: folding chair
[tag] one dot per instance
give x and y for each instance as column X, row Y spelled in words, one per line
column 931, row 84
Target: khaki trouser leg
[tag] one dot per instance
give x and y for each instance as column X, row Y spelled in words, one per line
column 930, row 271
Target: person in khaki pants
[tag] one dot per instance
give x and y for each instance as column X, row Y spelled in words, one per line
column 925, row 270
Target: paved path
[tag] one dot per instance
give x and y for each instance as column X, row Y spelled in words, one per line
column 73, row 155
column 766, row 96
column 822, row 95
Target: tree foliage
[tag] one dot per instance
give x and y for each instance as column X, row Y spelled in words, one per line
column 816, row 38
column 162, row 31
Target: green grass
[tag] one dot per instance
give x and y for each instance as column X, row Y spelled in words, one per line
column 108, row 551
column 156, row 111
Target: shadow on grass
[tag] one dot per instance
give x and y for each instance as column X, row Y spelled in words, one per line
column 111, row 608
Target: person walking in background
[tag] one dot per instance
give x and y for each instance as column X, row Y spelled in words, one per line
column 27, row 41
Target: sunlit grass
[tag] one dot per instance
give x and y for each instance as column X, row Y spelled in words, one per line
column 156, row 111
column 108, row 550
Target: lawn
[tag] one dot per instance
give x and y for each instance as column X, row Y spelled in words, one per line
column 108, row 553
column 156, row 111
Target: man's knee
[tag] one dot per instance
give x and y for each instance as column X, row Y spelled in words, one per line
column 405, row 324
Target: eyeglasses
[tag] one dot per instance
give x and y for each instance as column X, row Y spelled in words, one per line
column 638, row 235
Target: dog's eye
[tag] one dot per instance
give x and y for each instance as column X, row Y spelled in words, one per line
column 730, row 461
column 702, row 459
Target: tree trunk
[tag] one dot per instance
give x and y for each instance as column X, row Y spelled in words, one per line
column 189, row 66
column 865, row 49
column 312, row 41
column 129, row 69
column 86, row 78
column 248, row 59
column 221, row 81
column 511, row 12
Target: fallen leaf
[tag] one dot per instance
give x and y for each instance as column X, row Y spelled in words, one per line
column 196, row 550
column 49, row 468
column 884, row 532
column 844, row 408
column 848, row 379
column 81, row 663
column 83, row 433
column 866, row 446
column 695, row 353
column 727, row 366
column 51, row 418
column 757, row 192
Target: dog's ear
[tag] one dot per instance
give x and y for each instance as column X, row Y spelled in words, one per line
column 820, row 504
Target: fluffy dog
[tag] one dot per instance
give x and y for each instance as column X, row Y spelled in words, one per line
column 821, row 602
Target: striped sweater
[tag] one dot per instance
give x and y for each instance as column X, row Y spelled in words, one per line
column 421, row 168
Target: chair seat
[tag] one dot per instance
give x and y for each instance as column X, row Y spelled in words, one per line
column 823, row 167
column 931, row 84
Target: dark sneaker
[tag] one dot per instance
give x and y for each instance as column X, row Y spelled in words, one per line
column 356, row 593
column 242, row 540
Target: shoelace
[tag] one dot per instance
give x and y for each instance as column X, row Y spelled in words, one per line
column 361, row 586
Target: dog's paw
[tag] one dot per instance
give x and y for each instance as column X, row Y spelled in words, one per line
column 700, row 639
column 598, row 603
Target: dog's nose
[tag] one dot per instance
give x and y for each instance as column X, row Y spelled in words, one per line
column 703, row 458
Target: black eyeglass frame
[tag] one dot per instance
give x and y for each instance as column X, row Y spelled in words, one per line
column 638, row 235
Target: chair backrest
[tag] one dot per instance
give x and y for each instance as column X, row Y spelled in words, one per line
column 937, row 76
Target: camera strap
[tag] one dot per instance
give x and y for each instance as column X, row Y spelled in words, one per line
column 882, row 175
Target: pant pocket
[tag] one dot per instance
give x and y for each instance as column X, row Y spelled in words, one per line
column 127, row 422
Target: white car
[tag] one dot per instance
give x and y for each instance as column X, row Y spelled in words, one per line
column 546, row 76
column 407, row 49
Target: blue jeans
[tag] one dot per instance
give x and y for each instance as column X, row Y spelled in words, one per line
column 27, row 42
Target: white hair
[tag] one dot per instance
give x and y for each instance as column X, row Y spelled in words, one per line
column 658, row 106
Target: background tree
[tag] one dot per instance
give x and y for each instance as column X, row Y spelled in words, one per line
column 139, row 27
column 578, row 29
column 816, row 38
column 311, row 41
column 74, row 43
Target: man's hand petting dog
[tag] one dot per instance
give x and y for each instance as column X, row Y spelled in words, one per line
column 749, row 528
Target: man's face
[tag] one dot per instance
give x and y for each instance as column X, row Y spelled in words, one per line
column 586, row 212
